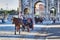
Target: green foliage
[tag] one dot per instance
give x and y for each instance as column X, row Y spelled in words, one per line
column 12, row 12
column 1, row 12
column 8, row 11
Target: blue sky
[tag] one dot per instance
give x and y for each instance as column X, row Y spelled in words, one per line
column 9, row 4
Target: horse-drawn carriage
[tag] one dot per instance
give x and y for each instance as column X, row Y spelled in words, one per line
column 26, row 23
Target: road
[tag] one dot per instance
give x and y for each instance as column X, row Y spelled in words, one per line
column 7, row 32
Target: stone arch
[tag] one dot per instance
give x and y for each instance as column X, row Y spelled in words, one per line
column 41, row 6
column 35, row 5
column 53, row 11
column 26, row 11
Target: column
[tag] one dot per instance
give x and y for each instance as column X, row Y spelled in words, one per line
column 47, row 5
column 32, row 10
column 47, row 9
column 58, row 6
column 20, row 12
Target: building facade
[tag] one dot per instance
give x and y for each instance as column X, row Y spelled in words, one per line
column 46, row 9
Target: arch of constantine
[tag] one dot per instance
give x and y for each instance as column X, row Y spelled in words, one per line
column 46, row 9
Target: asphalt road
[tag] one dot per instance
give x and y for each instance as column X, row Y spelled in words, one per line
column 37, row 33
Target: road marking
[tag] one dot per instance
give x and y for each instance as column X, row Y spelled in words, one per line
column 43, row 26
column 46, row 26
column 3, row 25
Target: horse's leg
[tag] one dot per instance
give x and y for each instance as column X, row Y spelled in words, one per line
column 19, row 30
column 15, row 30
column 23, row 27
column 32, row 27
column 28, row 28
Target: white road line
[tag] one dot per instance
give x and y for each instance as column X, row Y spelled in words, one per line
column 7, row 25
column 46, row 26
column 43, row 26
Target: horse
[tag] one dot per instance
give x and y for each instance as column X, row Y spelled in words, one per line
column 17, row 22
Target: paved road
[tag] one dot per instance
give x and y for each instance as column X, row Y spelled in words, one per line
column 37, row 33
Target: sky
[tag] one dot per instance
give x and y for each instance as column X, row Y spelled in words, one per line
column 9, row 4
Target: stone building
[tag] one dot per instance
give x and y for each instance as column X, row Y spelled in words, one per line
column 46, row 9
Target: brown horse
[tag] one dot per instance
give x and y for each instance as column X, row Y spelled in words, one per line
column 17, row 23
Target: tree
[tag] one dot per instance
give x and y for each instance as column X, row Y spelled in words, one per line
column 13, row 12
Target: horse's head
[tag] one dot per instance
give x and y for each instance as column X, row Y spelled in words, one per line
column 13, row 20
